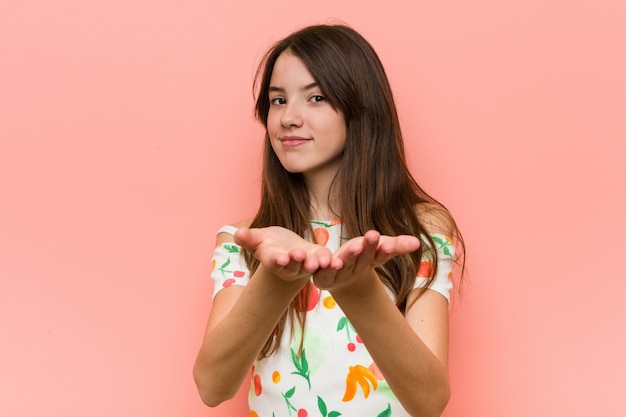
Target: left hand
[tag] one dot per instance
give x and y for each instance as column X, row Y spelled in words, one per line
column 356, row 259
column 283, row 252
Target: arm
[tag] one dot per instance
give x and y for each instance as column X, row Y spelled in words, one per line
column 411, row 350
column 242, row 318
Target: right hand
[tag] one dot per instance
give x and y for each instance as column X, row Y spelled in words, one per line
column 283, row 252
column 356, row 259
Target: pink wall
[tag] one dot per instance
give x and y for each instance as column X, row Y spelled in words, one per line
column 127, row 139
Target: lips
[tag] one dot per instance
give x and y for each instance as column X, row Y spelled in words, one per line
column 293, row 141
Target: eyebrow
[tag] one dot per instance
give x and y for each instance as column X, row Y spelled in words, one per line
column 282, row 90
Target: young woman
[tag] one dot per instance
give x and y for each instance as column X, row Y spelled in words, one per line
column 336, row 293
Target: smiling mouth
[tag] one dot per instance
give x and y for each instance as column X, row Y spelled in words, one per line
column 292, row 141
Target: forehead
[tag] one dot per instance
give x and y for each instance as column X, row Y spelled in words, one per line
column 289, row 69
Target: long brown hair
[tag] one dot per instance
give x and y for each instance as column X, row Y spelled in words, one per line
column 373, row 188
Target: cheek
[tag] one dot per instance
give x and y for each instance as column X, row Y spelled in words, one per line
column 336, row 123
column 340, row 129
column 271, row 142
column 272, row 124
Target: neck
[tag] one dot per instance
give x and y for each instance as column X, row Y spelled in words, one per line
column 318, row 183
column 321, row 200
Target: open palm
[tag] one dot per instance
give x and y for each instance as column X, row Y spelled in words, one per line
column 357, row 258
column 284, row 252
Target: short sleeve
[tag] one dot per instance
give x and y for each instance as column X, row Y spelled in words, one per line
column 445, row 261
column 229, row 267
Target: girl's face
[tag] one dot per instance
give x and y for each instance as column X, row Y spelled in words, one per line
column 307, row 134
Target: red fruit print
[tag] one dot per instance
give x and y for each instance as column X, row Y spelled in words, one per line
column 376, row 372
column 228, row 282
column 314, row 298
column 257, row 385
column 302, row 413
column 238, row 274
column 351, row 347
column 321, row 236
column 425, row 269
column 358, row 339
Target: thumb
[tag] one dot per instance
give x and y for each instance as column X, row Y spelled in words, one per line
column 249, row 239
column 407, row 244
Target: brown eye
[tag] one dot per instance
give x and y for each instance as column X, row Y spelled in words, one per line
column 278, row 101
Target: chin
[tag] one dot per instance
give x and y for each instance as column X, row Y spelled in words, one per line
column 292, row 169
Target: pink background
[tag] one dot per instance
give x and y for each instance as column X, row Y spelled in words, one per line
column 127, row 139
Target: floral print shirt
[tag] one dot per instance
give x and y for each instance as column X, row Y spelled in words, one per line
column 333, row 374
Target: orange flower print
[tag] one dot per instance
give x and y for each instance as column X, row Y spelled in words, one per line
column 361, row 376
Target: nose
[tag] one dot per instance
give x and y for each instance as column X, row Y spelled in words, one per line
column 292, row 116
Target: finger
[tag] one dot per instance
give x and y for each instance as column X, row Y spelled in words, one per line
column 336, row 264
column 293, row 265
column 369, row 244
column 249, row 239
column 324, row 257
column 297, row 255
column 391, row 246
column 407, row 244
column 384, row 252
column 306, row 261
column 324, row 278
column 371, row 241
column 348, row 251
column 319, row 258
column 278, row 259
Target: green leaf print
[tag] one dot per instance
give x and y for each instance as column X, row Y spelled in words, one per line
column 444, row 245
column 223, row 267
column 286, row 396
column 302, row 365
column 225, row 264
column 387, row 412
column 231, row 248
column 322, row 406
column 344, row 323
column 324, row 409
column 324, row 224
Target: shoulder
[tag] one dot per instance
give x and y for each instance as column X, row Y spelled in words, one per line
column 435, row 218
column 226, row 233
